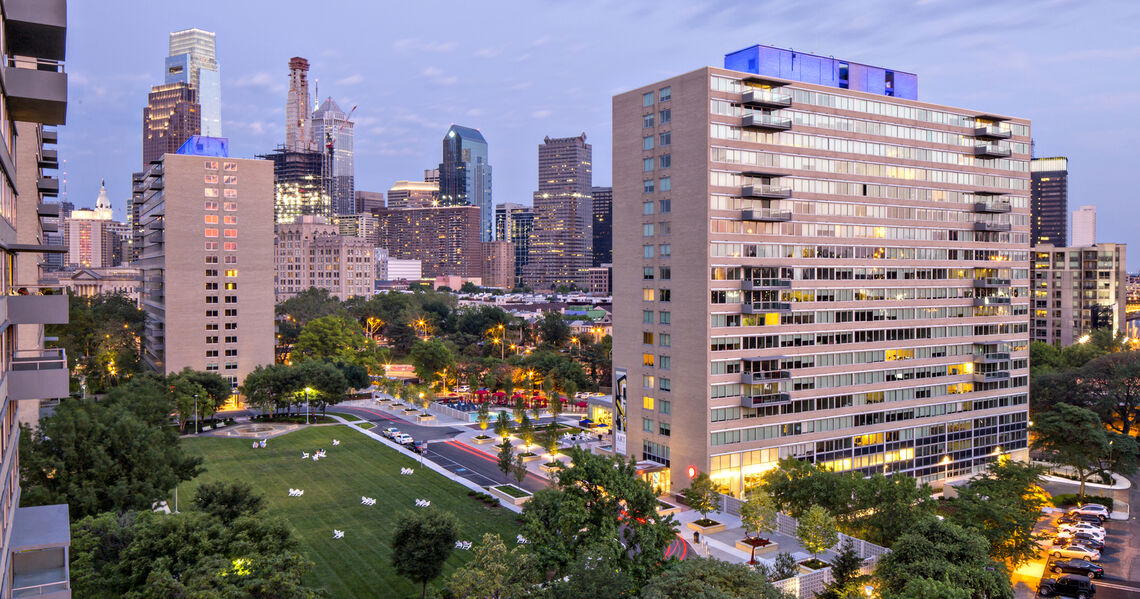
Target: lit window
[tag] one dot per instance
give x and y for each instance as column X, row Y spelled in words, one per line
column 230, row 220
column 211, row 179
column 647, row 295
column 230, row 206
column 210, row 205
column 231, row 233
column 230, row 193
column 647, row 359
column 230, row 246
column 647, row 402
column 232, row 273
column 211, row 165
column 211, row 232
column 211, row 192
column 230, row 179
column 211, row 219
column 231, row 166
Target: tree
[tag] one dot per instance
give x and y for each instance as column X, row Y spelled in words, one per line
column 784, row 566
column 553, row 329
column 430, row 358
column 326, row 381
column 550, row 440
column 267, row 387
column 494, row 572
column 423, row 541
column 758, row 515
column 526, row 431
column 1075, row 437
column 555, row 405
column 1003, row 505
column 1111, row 386
column 228, row 501
column 797, row 485
column 309, row 305
column 709, row 579
column 595, row 501
column 484, row 416
column 594, row 574
column 335, row 338
column 817, row 531
column 846, row 574
column 883, row 507
column 189, row 399
column 519, row 409
column 942, row 552
column 101, row 339
column 519, row 468
column 217, row 389
column 116, row 454
column 503, row 426
column 702, row 496
column 506, row 457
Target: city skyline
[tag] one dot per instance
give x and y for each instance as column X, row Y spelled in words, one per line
column 428, row 82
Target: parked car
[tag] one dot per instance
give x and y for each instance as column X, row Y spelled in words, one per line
column 1081, row 526
column 1076, row 551
column 419, row 447
column 1094, row 509
column 403, row 439
column 1096, row 533
column 1072, row 585
column 1076, row 566
column 390, row 432
column 463, row 388
column 1081, row 539
column 1090, row 518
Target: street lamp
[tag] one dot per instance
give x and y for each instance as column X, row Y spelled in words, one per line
column 307, row 391
column 195, row 413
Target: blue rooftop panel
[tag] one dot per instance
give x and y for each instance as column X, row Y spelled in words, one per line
column 767, row 61
column 200, row 145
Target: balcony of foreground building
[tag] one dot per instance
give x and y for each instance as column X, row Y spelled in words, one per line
column 49, row 136
column 49, row 159
column 766, row 399
column 38, row 374
column 41, row 541
column 36, row 90
column 992, row 300
column 991, row 283
column 36, row 28
column 760, row 377
column 992, row 151
column 766, row 191
column 37, row 304
column 758, row 120
column 48, row 186
column 997, row 207
column 765, row 98
column 751, row 284
column 985, row 225
column 766, row 215
column 991, row 377
column 47, row 209
column 991, row 132
column 766, row 307
column 991, row 357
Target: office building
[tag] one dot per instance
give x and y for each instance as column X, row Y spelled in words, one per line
column 34, row 541
column 498, row 264
column 431, row 175
column 390, row 269
column 856, row 272
column 1084, row 226
column 445, row 239
column 1077, row 290
column 599, row 279
column 413, row 194
column 92, row 282
column 602, row 199
column 364, row 226
column 206, row 261
column 297, row 129
column 561, row 242
column 172, row 115
column 465, row 175
column 301, row 185
column 332, row 134
column 193, row 60
column 1049, row 200
column 91, row 238
column 311, row 252
column 514, row 223
column 367, row 201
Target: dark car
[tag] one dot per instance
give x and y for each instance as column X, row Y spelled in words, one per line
column 418, row 447
column 1077, row 566
column 1071, row 518
column 1082, row 539
column 1072, row 585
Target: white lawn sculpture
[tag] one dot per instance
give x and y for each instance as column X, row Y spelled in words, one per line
column 338, row 534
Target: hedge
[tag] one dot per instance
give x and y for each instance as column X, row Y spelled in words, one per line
column 1072, row 499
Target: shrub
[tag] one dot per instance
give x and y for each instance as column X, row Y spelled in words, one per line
column 1071, row 499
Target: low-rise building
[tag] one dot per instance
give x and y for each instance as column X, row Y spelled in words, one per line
column 311, row 252
column 395, row 269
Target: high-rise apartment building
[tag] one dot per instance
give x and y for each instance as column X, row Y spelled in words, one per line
column 297, row 129
column 413, row 194
column 852, row 282
column 1084, row 226
column 498, row 264
column 364, row 226
column 1049, row 201
column 311, row 252
column 445, row 239
column 206, row 261
column 301, row 185
column 561, row 242
column 193, row 60
column 34, row 541
column 602, row 200
column 465, row 175
column 332, row 133
column 134, row 205
column 172, row 115
column 367, row 201
column 1077, row 290
column 514, row 223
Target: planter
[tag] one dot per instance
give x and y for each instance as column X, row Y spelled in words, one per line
column 511, row 494
column 745, row 546
column 530, row 458
column 551, row 469
column 667, row 509
column 484, row 440
column 706, row 530
column 425, row 418
column 811, row 565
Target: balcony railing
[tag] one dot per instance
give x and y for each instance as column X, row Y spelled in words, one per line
column 766, row 191
column 766, row 376
column 38, row 374
column 766, row 215
column 766, row 121
column 992, row 150
column 48, row 186
column 765, row 307
column 992, row 207
column 769, row 399
column 37, row 304
column 37, row 91
column 750, row 284
column 991, row 226
column 991, row 377
column 991, row 301
column 990, row 282
column 991, row 358
column 765, row 97
column 36, row 28
column 992, row 132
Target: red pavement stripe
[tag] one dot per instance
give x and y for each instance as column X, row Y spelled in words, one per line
column 486, row 456
column 380, row 414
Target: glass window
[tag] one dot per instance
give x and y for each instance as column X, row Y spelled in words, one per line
column 647, row 295
column 647, row 316
column 647, row 143
column 666, row 138
column 211, row 232
column 646, row 401
column 647, row 186
column 665, row 406
column 230, row 193
column 647, row 164
column 211, row 192
column 647, row 99
column 231, row 166
column 665, row 339
column 664, row 361
column 666, row 206
column 666, row 94
column 665, row 318
column 647, row 121
column 211, row 165
column 211, row 179
column 230, row 206
column 647, row 425
column 210, row 205
column 666, row 183
column 230, row 179
column 666, row 273
column 646, row 251
column 666, row 250
column 647, row 208
column 666, row 161
column 647, row 273
column 647, row 230
column 666, row 116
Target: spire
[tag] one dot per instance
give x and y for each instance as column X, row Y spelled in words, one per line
column 103, row 202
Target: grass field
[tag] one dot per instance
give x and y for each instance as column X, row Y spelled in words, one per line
column 359, row 564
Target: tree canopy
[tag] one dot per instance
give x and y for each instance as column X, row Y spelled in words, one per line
column 422, row 542
column 937, row 554
column 101, row 339
column 701, row 578
column 1075, row 437
column 1002, row 506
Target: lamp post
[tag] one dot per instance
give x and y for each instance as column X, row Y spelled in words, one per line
column 195, row 413
column 307, row 390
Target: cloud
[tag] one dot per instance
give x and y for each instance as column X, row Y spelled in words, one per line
column 542, row 41
column 488, row 52
column 416, row 45
column 476, row 112
column 351, row 80
column 259, row 80
column 541, row 114
column 437, row 76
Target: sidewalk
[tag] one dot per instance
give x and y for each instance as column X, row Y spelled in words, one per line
column 534, row 466
column 397, row 411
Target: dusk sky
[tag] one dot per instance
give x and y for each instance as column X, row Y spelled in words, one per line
column 519, row 71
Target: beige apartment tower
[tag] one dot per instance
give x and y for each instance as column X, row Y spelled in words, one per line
column 819, row 273
column 1077, row 290
column 311, row 252
column 207, row 262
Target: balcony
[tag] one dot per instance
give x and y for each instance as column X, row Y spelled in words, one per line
column 47, row 209
column 766, row 215
column 992, row 300
column 766, row 121
column 41, row 540
column 49, row 159
column 750, row 284
column 49, row 136
column 49, row 227
column 991, row 132
column 766, row 307
column 766, row 191
column 991, row 377
column 37, row 95
column 36, row 28
column 991, row 358
column 992, row 207
column 769, row 399
column 38, row 374
column 766, row 98
column 764, row 376
column 48, row 186
column 991, row 226
column 991, row 282
column 38, row 305
column 991, row 151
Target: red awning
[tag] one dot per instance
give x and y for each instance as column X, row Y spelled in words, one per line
column 580, row 404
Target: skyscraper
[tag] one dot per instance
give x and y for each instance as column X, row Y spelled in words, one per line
column 332, row 134
column 1084, row 226
column 465, row 175
column 193, row 60
column 301, row 185
column 445, row 239
column 561, row 242
column 844, row 283
column 172, row 115
column 1049, row 200
column 297, row 137
column 413, row 194
column 367, row 201
column 602, row 199
column 513, row 223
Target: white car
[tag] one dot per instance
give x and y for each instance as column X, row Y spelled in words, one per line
column 403, row 439
column 1092, row 529
column 1076, row 551
column 1094, row 509
column 1068, row 534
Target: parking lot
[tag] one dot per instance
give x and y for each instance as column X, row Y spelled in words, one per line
column 1120, row 559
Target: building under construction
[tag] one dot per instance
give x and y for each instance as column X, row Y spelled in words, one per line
column 301, row 184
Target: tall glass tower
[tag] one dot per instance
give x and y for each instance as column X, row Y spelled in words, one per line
column 332, row 133
column 193, row 59
column 465, row 176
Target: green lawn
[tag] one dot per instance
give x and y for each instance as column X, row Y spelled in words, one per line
column 359, row 564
